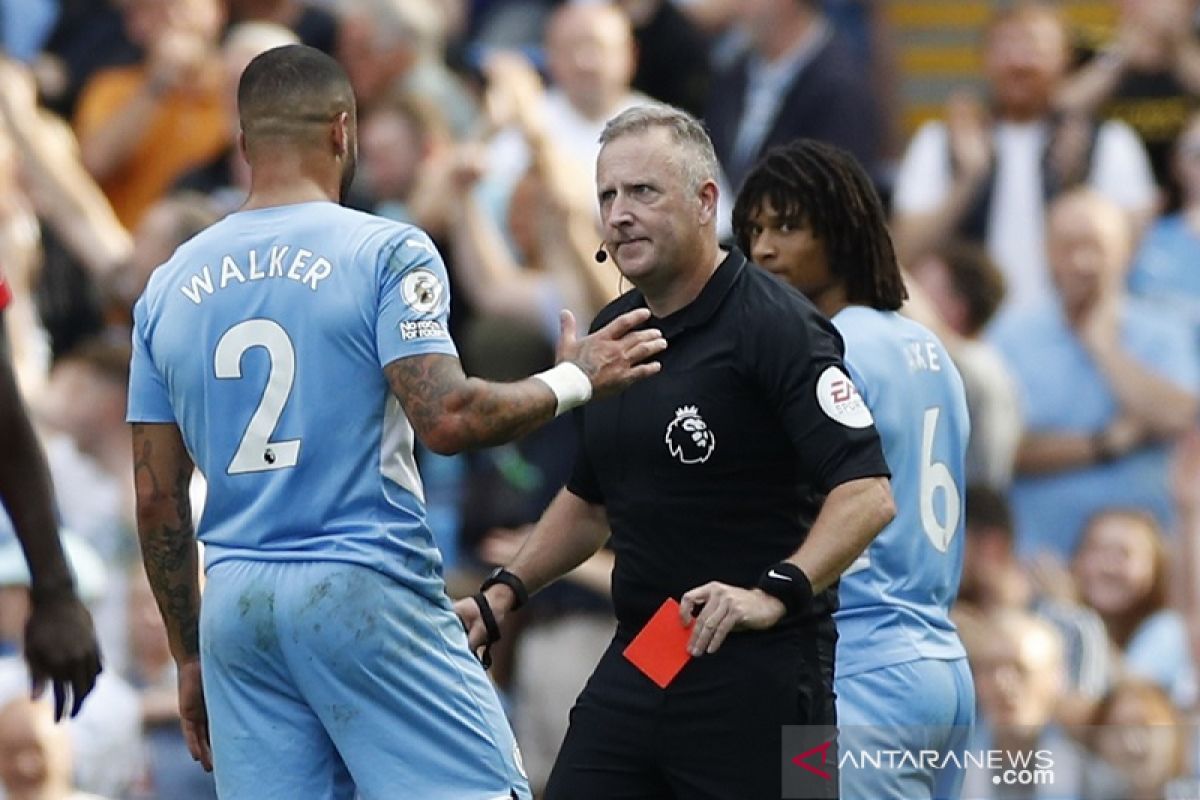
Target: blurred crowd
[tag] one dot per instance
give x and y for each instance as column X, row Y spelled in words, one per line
column 1049, row 221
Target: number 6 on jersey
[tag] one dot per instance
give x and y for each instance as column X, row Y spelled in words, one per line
column 936, row 475
column 256, row 452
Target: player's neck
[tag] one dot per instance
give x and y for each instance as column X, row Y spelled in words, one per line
column 285, row 182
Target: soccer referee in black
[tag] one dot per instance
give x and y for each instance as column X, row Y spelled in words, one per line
column 741, row 480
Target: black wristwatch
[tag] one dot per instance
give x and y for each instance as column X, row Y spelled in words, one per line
column 501, row 575
column 788, row 584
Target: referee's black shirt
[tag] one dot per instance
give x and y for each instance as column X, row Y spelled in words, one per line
column 715, row 468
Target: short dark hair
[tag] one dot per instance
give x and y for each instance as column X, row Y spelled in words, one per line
column 975, row 278
column 825, row 188
column 286, row 89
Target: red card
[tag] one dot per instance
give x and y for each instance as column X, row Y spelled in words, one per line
column 660, row 649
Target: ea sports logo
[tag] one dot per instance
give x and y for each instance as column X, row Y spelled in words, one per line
column 689, row 438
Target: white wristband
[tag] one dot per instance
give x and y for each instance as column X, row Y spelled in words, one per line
column 570, row 384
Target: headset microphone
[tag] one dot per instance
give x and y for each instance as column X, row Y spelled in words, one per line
column 601, row 255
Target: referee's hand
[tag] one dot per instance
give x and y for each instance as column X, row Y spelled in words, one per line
column 720, row 608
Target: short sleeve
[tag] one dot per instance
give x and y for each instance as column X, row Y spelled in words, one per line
column 1121, row 169
column 923, row 180
column 414, row 299
column 149, row 400
column 822, row 410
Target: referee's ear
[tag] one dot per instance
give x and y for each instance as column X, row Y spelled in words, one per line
column 708, row 195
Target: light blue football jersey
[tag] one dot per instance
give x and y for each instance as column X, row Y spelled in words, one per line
column 895, row 599
column 263, row 338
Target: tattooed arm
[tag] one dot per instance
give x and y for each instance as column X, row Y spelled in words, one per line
column 162, row 473
column 451, row 412
column 162, row 470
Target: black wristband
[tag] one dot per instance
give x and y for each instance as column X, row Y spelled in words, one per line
column 501, row 575
column 788, row 584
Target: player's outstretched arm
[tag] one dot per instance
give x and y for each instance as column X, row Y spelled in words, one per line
column 451, row 412
column 570, row 531
column 60, row 642
column 162, row 474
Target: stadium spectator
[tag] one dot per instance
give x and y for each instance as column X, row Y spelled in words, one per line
column 1107, row 382
column 1140, row 744
column 550, row 220
column 304, row 565
column 106, row 733
column 168, row 223
column 672, row 54
column 808, row 213
column 35, row 754
column 1147, row 76
column 1017, row 661
column 406, row 155
column 1162, row 271
column 141, row 127
column 797, row 80
column 989, row 176
column 672, row 502
column 591, row 61
column 965, row 289
column 225, row 177
column 313, row 25
column 398, row 47
column 993, row 580
column 1121, row 570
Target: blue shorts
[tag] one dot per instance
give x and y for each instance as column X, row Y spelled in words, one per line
column 918, row 705
column 323, row 678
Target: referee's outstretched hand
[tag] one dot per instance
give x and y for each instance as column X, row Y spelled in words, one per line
column 720, row 608
column 614, row 356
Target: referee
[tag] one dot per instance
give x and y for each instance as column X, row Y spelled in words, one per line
column 741, row 480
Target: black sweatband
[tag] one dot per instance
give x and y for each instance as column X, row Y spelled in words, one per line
column 501, row 575
column 788, row 584
column 490, row 625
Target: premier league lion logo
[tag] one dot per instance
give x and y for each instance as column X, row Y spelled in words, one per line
column 688, row 436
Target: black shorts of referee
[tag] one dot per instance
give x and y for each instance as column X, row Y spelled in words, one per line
column 713, row 734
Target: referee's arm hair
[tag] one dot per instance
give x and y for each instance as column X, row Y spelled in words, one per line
column 570, row 531
column 852, row 516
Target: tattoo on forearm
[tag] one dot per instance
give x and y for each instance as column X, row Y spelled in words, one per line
column 435, row 392
column 169, row 547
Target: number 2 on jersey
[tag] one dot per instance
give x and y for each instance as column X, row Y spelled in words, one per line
column 256, row 452
column 936, row 475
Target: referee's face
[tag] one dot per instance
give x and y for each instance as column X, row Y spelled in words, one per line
column 652, row 222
